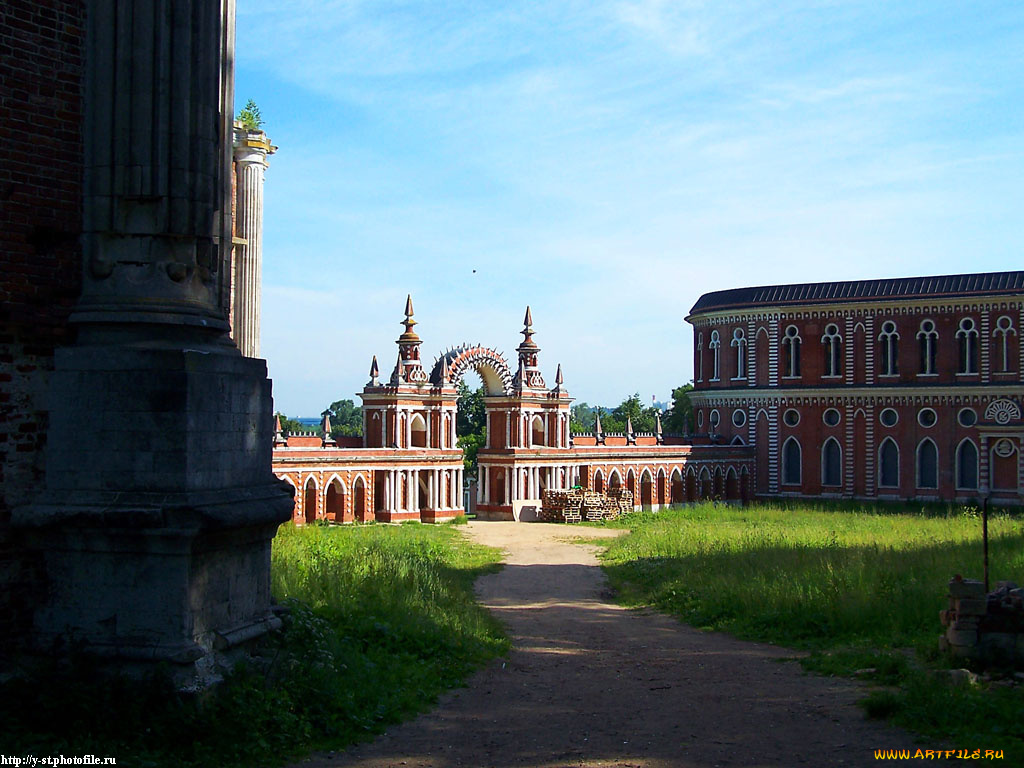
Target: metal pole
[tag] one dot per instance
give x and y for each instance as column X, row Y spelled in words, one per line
column 984, row 536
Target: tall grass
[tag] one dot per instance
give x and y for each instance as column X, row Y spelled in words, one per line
column 808, row 577
column 854, row 586
column 382, row 619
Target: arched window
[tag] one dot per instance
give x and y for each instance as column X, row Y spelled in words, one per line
column 927, row 339
column 967, row 337
column 833, row 344
column 537, row 431
column 889, row 464
column 927, row 464
column 1003, row 330
column 309, row 500
column 967, row 465
column 791, row 462
column 418, row 431
column 791, row 351
column 739, row 341
column 700, row 357
column 888, row 349
column 831, row 463
column 715, row 345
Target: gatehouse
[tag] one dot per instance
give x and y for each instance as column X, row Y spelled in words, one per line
column 407, row 465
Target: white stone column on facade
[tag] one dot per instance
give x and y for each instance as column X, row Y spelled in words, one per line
column 251, row 150
column 479, row 485
column 430, row 427
column 508, row 429
column 487, row 430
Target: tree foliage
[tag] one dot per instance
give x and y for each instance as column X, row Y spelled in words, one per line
column 470, row 423
column 346, row 418
column 679, row 420
column 290, row 426
column 581, row 418
column 250, row 116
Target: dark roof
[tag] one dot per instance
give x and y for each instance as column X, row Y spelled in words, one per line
column 862, row 290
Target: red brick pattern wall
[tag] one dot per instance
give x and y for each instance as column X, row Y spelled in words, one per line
column 41, row 50
column 865, row 405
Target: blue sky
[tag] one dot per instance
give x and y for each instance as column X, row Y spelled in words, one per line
column 607, row 163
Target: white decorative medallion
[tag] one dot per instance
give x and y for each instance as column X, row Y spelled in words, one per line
column 1002, row 411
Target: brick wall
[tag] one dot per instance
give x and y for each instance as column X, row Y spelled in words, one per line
column 41, row 50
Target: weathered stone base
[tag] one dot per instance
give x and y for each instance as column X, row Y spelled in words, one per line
column 439, row 515
column 494, row 512
column 156, row 525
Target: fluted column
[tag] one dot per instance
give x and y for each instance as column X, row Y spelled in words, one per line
column 251, row 150
column 154, row 527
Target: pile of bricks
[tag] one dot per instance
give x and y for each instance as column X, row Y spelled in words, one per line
column 988, row 627
column 576, row 505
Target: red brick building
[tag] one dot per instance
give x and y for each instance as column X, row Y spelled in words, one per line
column 408, row 466
column 879, row 389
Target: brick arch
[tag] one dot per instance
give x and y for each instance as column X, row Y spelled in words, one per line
column 457, row 362
column 310, row 495
column 335, row 498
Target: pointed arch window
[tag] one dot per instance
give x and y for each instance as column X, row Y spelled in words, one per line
column 927, row 339
column 927, row 464
column 833, row 347
column 967, row 465
column 700, row 357
column 889, row 464
column 739, row 342
column 1003, row 330
column 791, row 462
column 967, row 339
column 791, row 351
column 715, row 345
column 831, row 463
column 888, row 349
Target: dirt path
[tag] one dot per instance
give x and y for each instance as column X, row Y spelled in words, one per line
column 591, row 684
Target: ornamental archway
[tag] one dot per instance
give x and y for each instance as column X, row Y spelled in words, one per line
column 488, row 363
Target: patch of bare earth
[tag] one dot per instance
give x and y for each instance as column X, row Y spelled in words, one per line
column 590, row 684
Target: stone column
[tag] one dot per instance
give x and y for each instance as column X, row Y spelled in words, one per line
column 154, row 527
column 251, row 149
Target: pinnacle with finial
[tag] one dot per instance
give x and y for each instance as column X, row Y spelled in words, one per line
column 629, row 425
column 558, row 376
column 528, row 320
column 374, row 370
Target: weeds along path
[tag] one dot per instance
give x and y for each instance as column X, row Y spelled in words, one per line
column 591, row 684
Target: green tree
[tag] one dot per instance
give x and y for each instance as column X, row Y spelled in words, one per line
column 679, row 420
column 290, row 426
column 632, row 408
column 470, row 423
column 250, row 116
column 346, row 418
column 581, row 418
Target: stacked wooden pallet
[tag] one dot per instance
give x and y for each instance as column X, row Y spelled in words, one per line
column 576, row 505
column 623, row 499
column 561, row 506
column 598, row 506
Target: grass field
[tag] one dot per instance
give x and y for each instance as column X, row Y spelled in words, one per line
column 856, row 587
column 382, row 620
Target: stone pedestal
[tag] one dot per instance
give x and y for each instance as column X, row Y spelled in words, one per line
column 160, row 505
column 160, row 501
